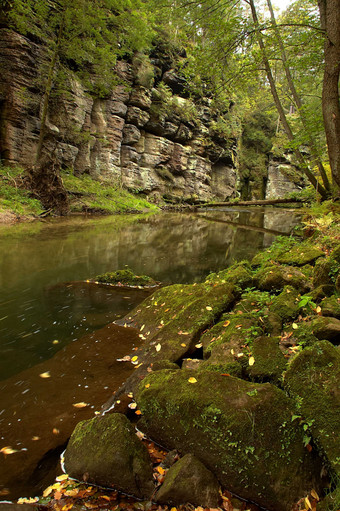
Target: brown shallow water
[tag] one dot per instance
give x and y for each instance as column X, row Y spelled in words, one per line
column 39, row 416
column 52, row 321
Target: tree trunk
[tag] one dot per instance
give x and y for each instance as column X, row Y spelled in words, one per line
column 330, row 22
column 297, row 98
column 279, row 106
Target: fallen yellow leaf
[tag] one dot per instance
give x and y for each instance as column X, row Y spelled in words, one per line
column 209, row 308
column 183, row 345
column 226, row 323
column 199, row 345
column 133, row 406
column 251, row 361
column 55, row 431
column 192, row 380
column 295, row 326
column 35, row 438
column 134, row 359
column 160, row 470
column 158, row 347
column 307, row 503
column 80, row 405
column 315, row 495
column 8, row 450
column 27, row 501
column 62, row 477
column 147, row 385
column 45, row 375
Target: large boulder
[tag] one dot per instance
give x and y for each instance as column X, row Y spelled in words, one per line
column 276, row 277
column 106, row 451
column 241, row 431
column 189, row 480
column 313, row 380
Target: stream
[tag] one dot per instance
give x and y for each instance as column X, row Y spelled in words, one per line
column 58, row 343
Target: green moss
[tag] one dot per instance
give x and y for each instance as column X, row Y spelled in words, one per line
column 239, row 274
column 241, row 431
column 125, row 277
column 331, row 307
column 286, row 304
column 14, row 197
column 87, row 194
column 313, row 379
column 276, row 277
column 304, row 253
column 269, row 360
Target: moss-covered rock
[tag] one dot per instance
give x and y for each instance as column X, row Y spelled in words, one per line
column 322, row 273
column 331, row 502
column 241, row 431
column 233, row 331
column 189, row 480
column 239, row 274
column 326, row 328
column 126, row 277
column 302, row 335
column 331, row 307
column 276, row 277
column 321, row 292
column 286, row 304
column 108, row 451
column 313, row 380
column 171, row 322
column 304, row 253
column 269, row 361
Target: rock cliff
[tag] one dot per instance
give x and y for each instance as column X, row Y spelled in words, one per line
column 144, row 136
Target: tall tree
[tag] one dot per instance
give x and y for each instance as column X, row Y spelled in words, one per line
column 330, row 22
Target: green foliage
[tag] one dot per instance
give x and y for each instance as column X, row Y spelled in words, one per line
column 88, row 194
column 14, row 196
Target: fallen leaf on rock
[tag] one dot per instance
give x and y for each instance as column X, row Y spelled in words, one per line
column 192, row 380
column 45, row 375
column 80, row 405
column 55, row 431
column 35, row 438
column 295, row 326
column 55, row 342
column 147, row 385
column 160, row 470
column 199, row 345
column 57, row 495
column 134, row 358
column 251, row 361
column 209, row 308
column 158, row 347
column 226, row 323
column 138, row 412
column 183, row 345
column 24, row 500
column 127, row 358
column 133, row 406
column 62, row 477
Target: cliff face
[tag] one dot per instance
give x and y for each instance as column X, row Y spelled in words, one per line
column 130, row 138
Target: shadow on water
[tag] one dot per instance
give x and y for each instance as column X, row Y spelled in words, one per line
column 53, row 322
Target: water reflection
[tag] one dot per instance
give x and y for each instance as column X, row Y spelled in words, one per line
column 36, row 310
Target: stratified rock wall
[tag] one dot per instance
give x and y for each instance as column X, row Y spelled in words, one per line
column 125, row 138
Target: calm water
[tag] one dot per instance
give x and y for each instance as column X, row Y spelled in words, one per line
column 48, row 313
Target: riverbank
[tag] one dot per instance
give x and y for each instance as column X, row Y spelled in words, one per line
column 254, row 332
column 85, row 195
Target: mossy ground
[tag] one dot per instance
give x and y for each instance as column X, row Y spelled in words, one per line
column 14, row 197
column 87, row 194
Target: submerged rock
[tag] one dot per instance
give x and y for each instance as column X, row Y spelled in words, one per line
column 241, row 431
column 313, row 380
column 106, row 451
column 188, row 480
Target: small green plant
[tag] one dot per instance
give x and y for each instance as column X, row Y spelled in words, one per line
column 307, row 303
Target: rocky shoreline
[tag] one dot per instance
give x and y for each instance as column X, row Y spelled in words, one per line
column 238, row 378
column 239, row 375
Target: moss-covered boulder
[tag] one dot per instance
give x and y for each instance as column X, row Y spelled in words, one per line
column 189, row 481
column 171, row 322
column 269, row 361
column 313, row 380
column 241, row 431
column 330, row 306
column 299, row 255
column 322, row 273
column 302, row 335
column 239, row 274
column 326, row 328
column 125, row 277
column 107, row 451
column 286, row 304
column 276, row 277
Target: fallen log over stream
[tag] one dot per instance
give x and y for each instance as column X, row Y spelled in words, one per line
column 264, row 202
